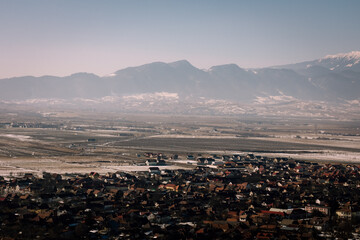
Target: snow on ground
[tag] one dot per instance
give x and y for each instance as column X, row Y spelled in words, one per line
column 190, row 136
column 313, row 139
column 184, row 161
column 16, row 166
column 274, row 99
column 312, row 155
column 133, row 168
column 327, row 155
column 153, row 96
column 17, row 137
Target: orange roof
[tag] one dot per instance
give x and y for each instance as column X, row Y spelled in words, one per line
column 272, row 212
column 201, row 230
column 232, row 220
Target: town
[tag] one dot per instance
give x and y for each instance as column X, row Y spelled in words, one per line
column 222, row 197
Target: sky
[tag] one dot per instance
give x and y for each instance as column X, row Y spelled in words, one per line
column 62, row 37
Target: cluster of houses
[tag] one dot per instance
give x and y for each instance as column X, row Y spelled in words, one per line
column 247, row 197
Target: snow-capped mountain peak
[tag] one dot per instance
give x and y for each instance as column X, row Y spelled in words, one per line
column 341, row 61
column 354, row 55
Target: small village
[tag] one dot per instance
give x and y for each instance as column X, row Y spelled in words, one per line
column 222, row 197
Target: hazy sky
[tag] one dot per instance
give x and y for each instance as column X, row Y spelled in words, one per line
column 61, row 37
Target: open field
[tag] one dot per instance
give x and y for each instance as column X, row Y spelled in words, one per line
column 225, row 144
column 19, row 166
column 86, row 141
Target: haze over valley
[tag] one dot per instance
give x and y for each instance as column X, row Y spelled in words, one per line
column 318, row 88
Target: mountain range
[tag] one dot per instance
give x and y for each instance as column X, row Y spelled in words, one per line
column 333, row 78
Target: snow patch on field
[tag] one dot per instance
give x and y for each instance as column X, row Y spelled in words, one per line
column 17, row 167
column 50, row 101
column 326, row 155
column 153, row 96
column 192, row 136
column 274, row 99
column 134, row 168
column 22, row 138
